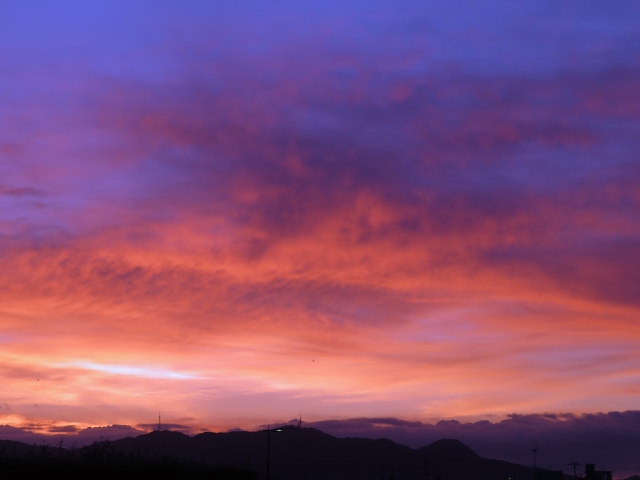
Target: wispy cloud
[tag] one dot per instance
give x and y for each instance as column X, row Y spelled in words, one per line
column 137, row 371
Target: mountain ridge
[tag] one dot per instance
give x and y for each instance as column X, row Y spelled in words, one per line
column 308, row 453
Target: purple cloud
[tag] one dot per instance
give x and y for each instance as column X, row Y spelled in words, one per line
column 67, row 434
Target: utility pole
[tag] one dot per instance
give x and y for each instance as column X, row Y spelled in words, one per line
column 574, row 469
column 534, row 449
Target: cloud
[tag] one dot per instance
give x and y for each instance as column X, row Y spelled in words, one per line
column 20, row 192
column 63, row 429
column 108, row 432
column 66, row 435
column 9, row 431
column 137, row 371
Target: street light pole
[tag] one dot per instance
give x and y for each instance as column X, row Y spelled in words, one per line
column 269, row 430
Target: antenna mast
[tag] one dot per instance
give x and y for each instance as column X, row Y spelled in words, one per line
column 159, row 423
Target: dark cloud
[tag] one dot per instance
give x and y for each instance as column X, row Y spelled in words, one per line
column 67, row 434
column 109, row 432
column 64, row 429
column 8, row 431
column 21, row 192
column 603, row 268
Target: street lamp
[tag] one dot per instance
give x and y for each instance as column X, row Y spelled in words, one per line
column 269, row 430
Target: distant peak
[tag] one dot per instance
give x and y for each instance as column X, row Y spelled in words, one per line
column 450, row 448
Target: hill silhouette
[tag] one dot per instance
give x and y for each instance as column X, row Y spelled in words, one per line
column 307, row 453
column 296, row 453
column 451, row 448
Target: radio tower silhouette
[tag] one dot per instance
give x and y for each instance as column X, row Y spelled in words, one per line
column 159, row 423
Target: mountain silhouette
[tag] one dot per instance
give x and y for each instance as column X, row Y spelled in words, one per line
column 451, row 448
column 307, row 453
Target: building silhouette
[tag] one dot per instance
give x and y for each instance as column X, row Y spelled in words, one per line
column 592, row 474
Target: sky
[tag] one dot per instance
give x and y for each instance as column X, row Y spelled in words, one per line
column 234, row 212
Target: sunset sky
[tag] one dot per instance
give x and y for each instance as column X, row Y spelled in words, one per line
column 236, row 211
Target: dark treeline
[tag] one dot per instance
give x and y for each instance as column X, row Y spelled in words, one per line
column 104, row 460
